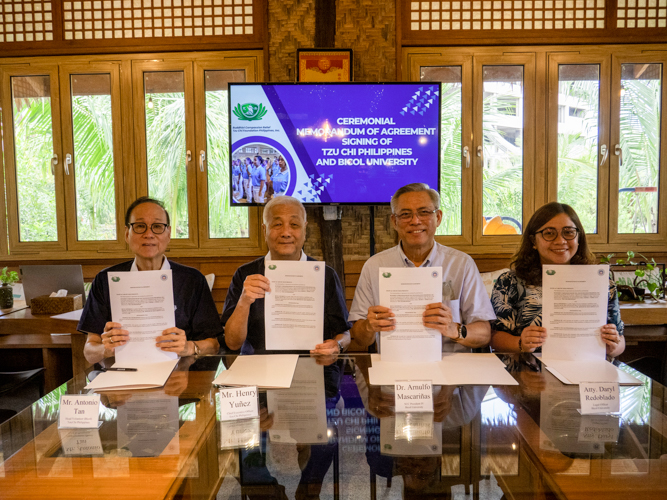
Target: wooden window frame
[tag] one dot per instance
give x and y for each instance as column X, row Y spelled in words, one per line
column 130, row 184
column 542, row 184
column 16, row 246
column 66, row 72
column 581, row 57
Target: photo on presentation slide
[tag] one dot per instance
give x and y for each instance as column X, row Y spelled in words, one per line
column 255, row 162
column 332, row 143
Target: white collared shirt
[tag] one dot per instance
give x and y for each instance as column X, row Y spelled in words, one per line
column 460, row 280
column 302, row 258
column 165, row 265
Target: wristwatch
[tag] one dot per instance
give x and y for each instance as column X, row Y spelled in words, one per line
column 197, row 349
column 340, row 346
column 463, row 333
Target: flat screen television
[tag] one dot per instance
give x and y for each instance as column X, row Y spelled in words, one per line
column 332, row 143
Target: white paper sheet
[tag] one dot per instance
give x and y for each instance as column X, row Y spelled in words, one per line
column 143, row 303
column 147, row 425
column 407, row 291
column 388, row 372
column 574, row 372
column 574, row 307
column 147, row 376
column 273, row 371
column 72, row 315
column 475, row 369
column 299, row 413
column 454, row 369
column 294, row 309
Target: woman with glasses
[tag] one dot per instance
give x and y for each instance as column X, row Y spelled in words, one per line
column 147, row 233
column 554, row 235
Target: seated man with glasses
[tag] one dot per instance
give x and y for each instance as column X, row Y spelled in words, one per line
column 415, row 217
column 554, row 235
column 147, row 232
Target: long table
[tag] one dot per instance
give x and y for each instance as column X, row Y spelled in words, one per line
column 525, row 441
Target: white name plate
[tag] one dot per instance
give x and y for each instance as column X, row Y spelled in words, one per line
column 79, row 411
column 599, row 428
column 239, row 434
column 414, row 396
column 81, row 442
column 411, row 426
column 238, row 403
column 599, row 398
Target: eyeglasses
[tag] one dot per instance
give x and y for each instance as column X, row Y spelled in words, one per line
column 421, row 215
column 142, row 227
column 551, row 233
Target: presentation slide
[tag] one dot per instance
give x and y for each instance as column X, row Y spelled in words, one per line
column 332, row 143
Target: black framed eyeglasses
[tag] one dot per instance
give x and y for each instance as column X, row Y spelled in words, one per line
column 421, row 215
column 142, row 227
column 551, row 233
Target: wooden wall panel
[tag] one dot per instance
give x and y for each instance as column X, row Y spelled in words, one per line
column 504, row 22
column 37, row 27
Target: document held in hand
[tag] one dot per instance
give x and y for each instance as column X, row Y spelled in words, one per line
column 143, row 303
column 407, row 291
column 294, row 308
column 574, row 307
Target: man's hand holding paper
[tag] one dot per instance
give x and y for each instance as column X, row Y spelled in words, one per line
column 440, row 317
column 255, row 287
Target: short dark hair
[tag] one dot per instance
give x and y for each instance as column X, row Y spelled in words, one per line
column 526, row 262
column 141, row 201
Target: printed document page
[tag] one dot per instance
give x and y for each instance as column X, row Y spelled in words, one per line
column 407, row 291
column 300, row 413
column 143, row 303
column 574, row 307
column 294, row 309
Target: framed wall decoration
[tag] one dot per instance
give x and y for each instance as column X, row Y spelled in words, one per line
column 324, row 65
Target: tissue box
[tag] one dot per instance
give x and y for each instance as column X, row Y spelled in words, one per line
column 56, row 305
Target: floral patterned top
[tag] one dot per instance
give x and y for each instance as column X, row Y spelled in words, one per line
column 518, row 305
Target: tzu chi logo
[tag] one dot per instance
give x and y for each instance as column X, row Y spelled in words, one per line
column 163, row 277
column 435, row 274
column 317, row 268
column 250, row 111
column 600, row 272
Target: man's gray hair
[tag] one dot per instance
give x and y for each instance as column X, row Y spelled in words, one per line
column 416, row 187
column 282, row 200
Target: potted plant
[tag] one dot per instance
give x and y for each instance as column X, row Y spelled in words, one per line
column 7, row 279
column 648, row 279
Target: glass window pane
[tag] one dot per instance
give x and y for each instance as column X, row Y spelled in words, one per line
column 224, row 221
column 450, row 139
column 502, row 125
column 33, row 149
column 641, row 85
column 165, row 145
column 578, row 115
column 92, row 130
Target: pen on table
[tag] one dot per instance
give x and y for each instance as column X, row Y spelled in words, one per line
column 119, row 369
